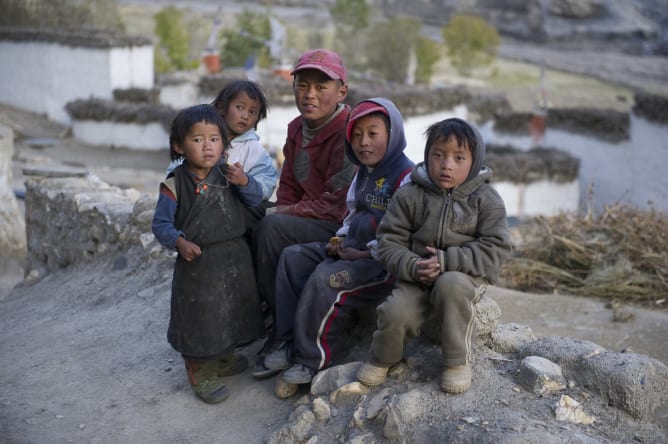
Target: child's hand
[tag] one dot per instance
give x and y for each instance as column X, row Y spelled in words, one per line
column 187, row 249
column 235, row 174
column 351, row 254
column 428, row 269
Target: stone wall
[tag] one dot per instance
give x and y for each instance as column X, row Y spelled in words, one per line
column 12, row 227
column 73, row 217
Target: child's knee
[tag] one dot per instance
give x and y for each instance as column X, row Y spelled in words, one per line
column 454, row 284
column 394, row 313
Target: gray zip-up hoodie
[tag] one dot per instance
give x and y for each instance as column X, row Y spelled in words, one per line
column 467, row 225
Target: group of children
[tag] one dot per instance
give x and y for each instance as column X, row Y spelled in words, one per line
column 355, row 224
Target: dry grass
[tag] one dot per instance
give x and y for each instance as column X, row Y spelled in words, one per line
column 619, row 255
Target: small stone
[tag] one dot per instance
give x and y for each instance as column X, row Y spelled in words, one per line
column 120, row 263
column 284, row 389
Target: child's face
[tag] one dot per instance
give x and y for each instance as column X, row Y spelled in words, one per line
column 202, row 147
column 242, row 114
column 369, row 139
column 316, row 95
column 448, row 163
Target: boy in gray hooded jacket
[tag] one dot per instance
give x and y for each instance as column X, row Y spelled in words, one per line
column 444, row 236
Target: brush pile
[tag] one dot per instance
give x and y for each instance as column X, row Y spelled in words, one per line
column 620, row 255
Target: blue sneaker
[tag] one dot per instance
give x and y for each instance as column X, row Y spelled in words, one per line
column 299, row 374
column 279, row 359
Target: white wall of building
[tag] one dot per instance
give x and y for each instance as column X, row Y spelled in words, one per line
column 152, row 137
column 539, row 198
column 42, row 77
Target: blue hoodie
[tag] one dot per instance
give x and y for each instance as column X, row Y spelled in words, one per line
column 372, row 189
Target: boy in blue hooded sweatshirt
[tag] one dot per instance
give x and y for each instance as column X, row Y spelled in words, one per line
column 319, row 285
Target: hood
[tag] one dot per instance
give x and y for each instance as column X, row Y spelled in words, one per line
column 396, row 142
column 420, row 176
column 479, row 151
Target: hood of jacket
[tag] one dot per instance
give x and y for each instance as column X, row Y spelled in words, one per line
column 396, row 142
column 479, row 172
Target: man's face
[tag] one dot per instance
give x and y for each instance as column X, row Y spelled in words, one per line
column 317, row 95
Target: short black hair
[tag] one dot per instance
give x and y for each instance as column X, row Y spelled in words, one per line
column 188, row 117
column 444, row 129
column 230, row 91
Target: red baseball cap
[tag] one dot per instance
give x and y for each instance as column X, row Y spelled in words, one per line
column 360, row 110
column 323, row 60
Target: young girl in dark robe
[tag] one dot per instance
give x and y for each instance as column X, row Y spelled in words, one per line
column 214, row 303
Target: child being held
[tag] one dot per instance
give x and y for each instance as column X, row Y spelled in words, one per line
column 242, row 104
column 214, row 303
column 445, row 236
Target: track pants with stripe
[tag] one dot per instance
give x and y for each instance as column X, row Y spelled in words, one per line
column 316, row 299
column 452, row 299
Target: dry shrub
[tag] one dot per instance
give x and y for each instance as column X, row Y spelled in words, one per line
column 621, row 254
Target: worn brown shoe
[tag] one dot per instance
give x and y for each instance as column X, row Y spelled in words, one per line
column 370, row 374
column 456, row 379
column 204, row 379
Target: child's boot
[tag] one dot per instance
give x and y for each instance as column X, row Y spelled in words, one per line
column 204, row 379
column 371, row 374
column 232, row 364
column 456, row 379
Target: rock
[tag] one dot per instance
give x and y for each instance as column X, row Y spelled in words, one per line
column 540, row 375
column 348, row 392
column 284, row 389
column 321, row 409
column 510, row 338
column 330, row 379
column 631, row 382
column 564, row 351
column 296, row 430
column 72, row 219
column 568, row 409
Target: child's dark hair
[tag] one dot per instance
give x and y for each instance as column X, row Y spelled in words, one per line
column 453, row 127
column 188, row 117
column 230, row 91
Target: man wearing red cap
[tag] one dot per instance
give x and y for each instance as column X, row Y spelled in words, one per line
column 311, row 196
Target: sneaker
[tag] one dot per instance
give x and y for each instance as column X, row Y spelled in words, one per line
column 456, row 379
column 298, row 374
column 279, row 359
column 232, row 365
column 370, row 374
column 206, row 383
column 260, row 371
